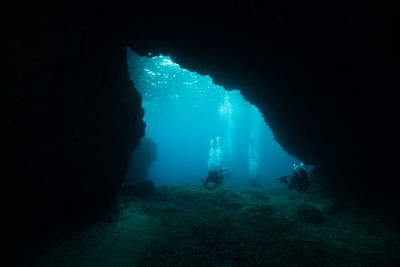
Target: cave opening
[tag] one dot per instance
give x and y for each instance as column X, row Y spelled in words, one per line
column 194, row 126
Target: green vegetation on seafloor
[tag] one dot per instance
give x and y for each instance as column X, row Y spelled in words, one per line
column 190, row 226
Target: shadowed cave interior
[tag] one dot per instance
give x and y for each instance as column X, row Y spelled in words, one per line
column 73, row 116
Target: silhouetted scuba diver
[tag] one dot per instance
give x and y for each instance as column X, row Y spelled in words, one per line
column 214, row 179
column 299, row 180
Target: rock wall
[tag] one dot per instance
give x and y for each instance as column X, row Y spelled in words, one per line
column 321, row 75
column 142, row 159
column 70, row 116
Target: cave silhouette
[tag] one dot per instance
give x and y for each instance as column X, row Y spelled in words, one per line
column 321, row 75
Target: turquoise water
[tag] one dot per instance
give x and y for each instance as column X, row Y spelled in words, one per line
column 199, row 126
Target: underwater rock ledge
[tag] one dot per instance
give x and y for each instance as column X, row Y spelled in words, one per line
column 70, row 125
column 70, row 117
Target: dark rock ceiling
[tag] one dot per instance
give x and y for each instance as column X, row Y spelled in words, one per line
column 321, row 75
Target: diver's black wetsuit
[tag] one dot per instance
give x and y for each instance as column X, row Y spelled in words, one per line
column 214, row 177
column 299, row 180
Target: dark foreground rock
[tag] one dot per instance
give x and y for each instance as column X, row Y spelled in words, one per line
column 71, row 117
column 191, row 226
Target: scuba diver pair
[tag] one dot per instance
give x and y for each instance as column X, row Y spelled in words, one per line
column 299, row 180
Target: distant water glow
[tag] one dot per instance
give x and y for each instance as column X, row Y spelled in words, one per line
column 199, row 126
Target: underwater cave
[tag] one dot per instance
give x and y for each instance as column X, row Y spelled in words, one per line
column 198, row 126
column 240, row 134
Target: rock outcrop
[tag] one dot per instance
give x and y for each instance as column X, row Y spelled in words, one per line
column 70, row 116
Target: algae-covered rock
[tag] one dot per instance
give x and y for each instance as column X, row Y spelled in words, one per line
column 164, row 230
column 309, row 214
column 258, row 194
column 265, row 210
